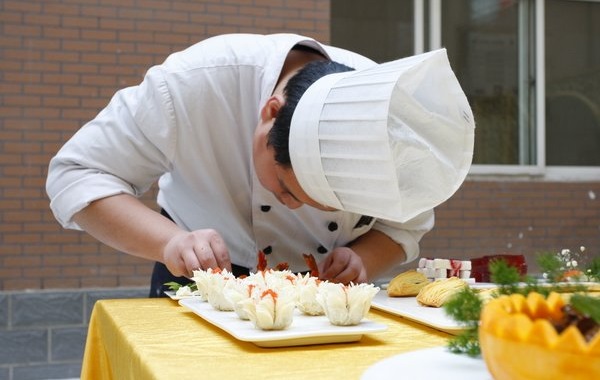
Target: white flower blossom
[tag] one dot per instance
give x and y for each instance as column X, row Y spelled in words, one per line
column 271, row 309
column 346, row 305
column 201, row 278
column 217, row 281
column 236, row 291
column 308, row 287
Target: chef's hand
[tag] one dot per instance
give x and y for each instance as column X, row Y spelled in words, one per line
column 200, row 249
column 343, row 265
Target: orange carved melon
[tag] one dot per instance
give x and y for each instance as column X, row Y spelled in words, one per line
column 518, row 341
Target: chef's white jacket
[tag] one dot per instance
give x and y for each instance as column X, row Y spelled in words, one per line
column 189, row 125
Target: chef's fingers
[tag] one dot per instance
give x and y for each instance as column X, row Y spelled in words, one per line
column 211, row 250
column 174, row 253
column 190, row 261
column 220, row 251
column 347, row 275
column 343, row 265
column 205, row 255
column 332, row 266
column 344, row 275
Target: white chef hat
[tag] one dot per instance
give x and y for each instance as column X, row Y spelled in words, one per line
column 390, row 141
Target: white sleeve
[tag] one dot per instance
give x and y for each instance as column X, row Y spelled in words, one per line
column 123, row 150
column 407, row 234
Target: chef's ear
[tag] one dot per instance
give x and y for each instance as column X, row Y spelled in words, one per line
column 271, row 107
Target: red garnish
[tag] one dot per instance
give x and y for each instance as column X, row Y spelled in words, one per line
column 290, row 278
column 282, row 266
column 571, row 273
column 250, row 288
column 312, row 264
column 269, row 292
column 262, row 261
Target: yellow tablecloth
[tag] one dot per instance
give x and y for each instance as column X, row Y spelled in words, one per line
column 158, row 339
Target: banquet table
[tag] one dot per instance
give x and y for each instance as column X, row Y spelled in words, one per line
column 159, row 339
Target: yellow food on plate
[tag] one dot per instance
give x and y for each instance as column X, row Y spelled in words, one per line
column 519, row 340
column 407, row 284
column 438, row 292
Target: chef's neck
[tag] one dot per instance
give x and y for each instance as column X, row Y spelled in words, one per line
column 295, row 60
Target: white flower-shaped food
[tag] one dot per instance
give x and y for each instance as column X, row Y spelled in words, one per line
column 307, row 288
column 201, row 278
column 238, row 290
column 217, row 281
column 270, row 277
column 271, row 309
column 346, row 305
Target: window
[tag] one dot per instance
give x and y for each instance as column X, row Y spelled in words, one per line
column 572, row 83
column 530, row 68
column 381, row 30
column 483, row 46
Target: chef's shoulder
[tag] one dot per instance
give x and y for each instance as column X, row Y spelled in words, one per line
column 234, row 50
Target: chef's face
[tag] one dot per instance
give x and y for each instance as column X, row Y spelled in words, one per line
column 278, row 179
column 281, row 181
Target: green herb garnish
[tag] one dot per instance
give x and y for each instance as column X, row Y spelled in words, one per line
column 465, row 307
column 593, row 270
column 174, row 286
column 551, row 265
column 507, row 277
column 569, row 265
column 586, row 305
column 510, row 281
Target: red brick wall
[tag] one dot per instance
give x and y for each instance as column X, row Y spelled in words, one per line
column 61, row 61
column 527, row 218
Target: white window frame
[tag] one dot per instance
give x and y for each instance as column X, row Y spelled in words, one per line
column 539, row 171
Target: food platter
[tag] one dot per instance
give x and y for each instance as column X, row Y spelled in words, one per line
column 409, row 308
column 305, row 330
column 426, row 364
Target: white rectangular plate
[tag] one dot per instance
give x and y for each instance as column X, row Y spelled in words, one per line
column 305, row 330
column 409, row 308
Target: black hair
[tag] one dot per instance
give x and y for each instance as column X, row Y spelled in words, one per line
column 279, row 135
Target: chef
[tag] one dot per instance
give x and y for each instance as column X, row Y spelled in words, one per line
column 275, row 143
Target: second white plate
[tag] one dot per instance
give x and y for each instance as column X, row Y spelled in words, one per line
column 305, row 330
column 431, row 363
column 408, row 307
